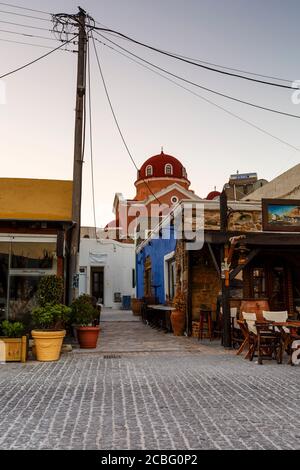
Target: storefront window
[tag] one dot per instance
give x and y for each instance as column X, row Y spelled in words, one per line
column 259, row 283
column 22, row 296
column 32, row 255
column 22, row 263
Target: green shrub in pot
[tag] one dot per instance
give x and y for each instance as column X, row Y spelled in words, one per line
column 84, row 317
column 12, row 329
column 49, row 333
column 84, row 312
column 51, row 316
column 50, row 290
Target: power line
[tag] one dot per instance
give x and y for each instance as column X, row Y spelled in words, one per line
column 25, row 16
column 29, row 35
column 204, row 99
column 191, row 62
column 39, row 58
column 31, row 44
column 91, row 136
column 201, row 86
column 235, row 69
column 25, row 25
column 214, row 64
column 23, row 8
column 116, row 120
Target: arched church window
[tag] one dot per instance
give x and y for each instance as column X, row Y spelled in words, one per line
column 149, row 170
column 168, row 169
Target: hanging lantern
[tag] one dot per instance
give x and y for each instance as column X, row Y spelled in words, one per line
column 243, row 253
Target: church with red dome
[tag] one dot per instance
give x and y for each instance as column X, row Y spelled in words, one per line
column 159, row 172
column 161, row 180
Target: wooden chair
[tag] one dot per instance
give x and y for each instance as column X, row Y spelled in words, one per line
column 236, row 333
column 267, row 343
column 247, row 325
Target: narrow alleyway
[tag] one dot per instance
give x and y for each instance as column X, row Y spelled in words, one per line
column 144, row 389
column 122, row 332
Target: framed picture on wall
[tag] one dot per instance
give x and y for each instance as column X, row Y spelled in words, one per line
column 281, row 215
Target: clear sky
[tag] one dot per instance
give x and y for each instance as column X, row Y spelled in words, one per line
column 37, row 121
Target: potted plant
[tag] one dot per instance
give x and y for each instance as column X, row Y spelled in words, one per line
column 48, row 336
column 178, row 315
column 85, row 316
column 13, row 344
column 50, row 290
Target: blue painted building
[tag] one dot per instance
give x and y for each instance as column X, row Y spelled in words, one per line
column 155, row 267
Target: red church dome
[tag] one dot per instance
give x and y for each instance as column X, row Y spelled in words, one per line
column 213, row 195
column 162, row 166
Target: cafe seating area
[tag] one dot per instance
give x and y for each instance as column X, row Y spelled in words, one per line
column 268, row 335
column 256, row 332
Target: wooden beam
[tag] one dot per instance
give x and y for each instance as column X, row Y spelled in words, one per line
column 255, row 238
column 239, row 268
column 214, row 259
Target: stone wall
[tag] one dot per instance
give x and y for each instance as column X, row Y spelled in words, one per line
column 242, row 221
column 245, row 221
column 205, row 283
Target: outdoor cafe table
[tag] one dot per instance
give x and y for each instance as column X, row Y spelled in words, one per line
column 288, row 338
column 161, row 317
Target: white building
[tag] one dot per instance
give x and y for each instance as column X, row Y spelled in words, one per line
column 107, row 270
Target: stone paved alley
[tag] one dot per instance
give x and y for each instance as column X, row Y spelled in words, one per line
column 143, row 389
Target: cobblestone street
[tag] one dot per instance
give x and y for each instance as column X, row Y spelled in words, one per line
column 143, row 389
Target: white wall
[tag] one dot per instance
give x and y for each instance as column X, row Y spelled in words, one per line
column 118, row 261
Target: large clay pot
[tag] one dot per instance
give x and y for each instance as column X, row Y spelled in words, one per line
column 136, row 306
column 48, row 344
column 178, row 322
column 88, row 336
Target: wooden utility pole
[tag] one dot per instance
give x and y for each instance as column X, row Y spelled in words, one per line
column 78, row 154
column 225, row 260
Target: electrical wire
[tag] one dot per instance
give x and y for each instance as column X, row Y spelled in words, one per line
column 91, row 137
column 25, row 16
column 115, row 118
column 201, row 61
column 23, row 8
column 25, row 25
column 38, row 58
column 264, row 108
column 30, row 35
column 204, row 99
column 31, row 44
column 191, row 62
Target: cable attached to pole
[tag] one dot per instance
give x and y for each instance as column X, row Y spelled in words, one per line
column 39, row 58
column 116, row 120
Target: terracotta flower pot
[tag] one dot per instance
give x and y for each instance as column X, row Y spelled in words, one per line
column 136, row 306
column 48, row 344
column 88, row 336
column 178, row 322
